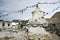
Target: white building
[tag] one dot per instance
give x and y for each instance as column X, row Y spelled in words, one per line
column 15, row 24
column 5, row 24
column 8, row 25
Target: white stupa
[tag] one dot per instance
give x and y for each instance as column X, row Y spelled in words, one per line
column 37, row 17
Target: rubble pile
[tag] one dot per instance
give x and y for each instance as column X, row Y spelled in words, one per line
column 19, row 36
column 49, row 37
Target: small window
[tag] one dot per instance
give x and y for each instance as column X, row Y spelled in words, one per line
column 3, row 24
column 8, row 24
column 42, row 17
column 44, row 23
column 35, row 19
column 32, row 13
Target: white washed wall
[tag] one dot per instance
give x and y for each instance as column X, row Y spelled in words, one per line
column 38, row 16
column 0, row 24
column 6, row 25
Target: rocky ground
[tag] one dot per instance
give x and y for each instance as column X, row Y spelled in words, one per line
column 6, row 35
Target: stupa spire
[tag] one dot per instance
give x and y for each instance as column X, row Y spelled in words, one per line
column 36, row 5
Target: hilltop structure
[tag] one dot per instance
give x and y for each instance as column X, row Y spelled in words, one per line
column 38, row 17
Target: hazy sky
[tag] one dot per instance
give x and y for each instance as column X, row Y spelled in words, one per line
column 8, row 6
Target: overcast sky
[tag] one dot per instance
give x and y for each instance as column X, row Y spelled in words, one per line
column 8, row 6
